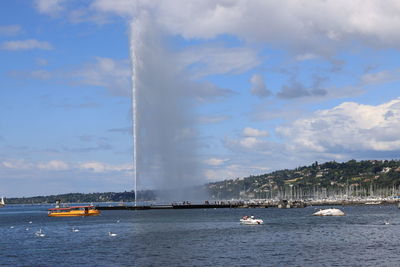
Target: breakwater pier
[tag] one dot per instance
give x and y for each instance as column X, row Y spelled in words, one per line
column 163, row 207
column 252, row 204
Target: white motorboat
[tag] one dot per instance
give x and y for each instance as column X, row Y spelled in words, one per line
column 250, row 220
column 329, row 212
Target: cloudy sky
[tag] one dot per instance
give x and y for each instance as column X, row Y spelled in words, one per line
column 225, row 89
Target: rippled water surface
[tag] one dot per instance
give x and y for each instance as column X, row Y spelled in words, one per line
column 201, row 238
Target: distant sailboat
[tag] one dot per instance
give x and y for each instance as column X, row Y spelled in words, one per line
column 2, row 203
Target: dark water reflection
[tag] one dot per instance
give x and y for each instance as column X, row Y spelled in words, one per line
column 201, row 238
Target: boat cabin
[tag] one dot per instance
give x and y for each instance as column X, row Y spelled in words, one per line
column 74, row 211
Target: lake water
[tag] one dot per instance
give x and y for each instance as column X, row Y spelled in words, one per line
column 211, row 237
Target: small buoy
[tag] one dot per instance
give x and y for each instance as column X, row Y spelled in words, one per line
column 11, row 227
column 30, row 221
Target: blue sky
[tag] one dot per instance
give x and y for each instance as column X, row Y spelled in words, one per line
column 226, row 89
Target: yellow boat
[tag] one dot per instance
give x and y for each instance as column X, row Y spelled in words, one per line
column 74, row 211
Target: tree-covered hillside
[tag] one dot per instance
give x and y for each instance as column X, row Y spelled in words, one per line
column 352, row 178
column 85, row 198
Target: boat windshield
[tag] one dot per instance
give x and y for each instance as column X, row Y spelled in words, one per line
column 83, row 208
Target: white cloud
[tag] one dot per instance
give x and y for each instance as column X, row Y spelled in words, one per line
column 252, row 132
column 112, row 74
column 348, row 127
column 49, row 7
column 250, row 142
column 10, row 30
column 26, row 45
column 93, row 166
column 379, row 77
column 96, row 166
column 107, row 72
column 54, row 165
column 258, row 87
column 59, row 165
column 16, row 164
column 247, row 143
column 215, row 161
column 124, row 8
column 306, row 56
column 206, row 60
column 314, row 27
column 35, row 74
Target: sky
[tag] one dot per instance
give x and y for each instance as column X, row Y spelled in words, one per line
column 225, row 89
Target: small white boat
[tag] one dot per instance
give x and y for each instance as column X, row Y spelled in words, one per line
column 329, row 212
column 2, row 203
column 250, row 220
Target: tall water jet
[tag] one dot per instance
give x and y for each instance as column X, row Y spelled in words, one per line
column 134, row 109
column 163, row 119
